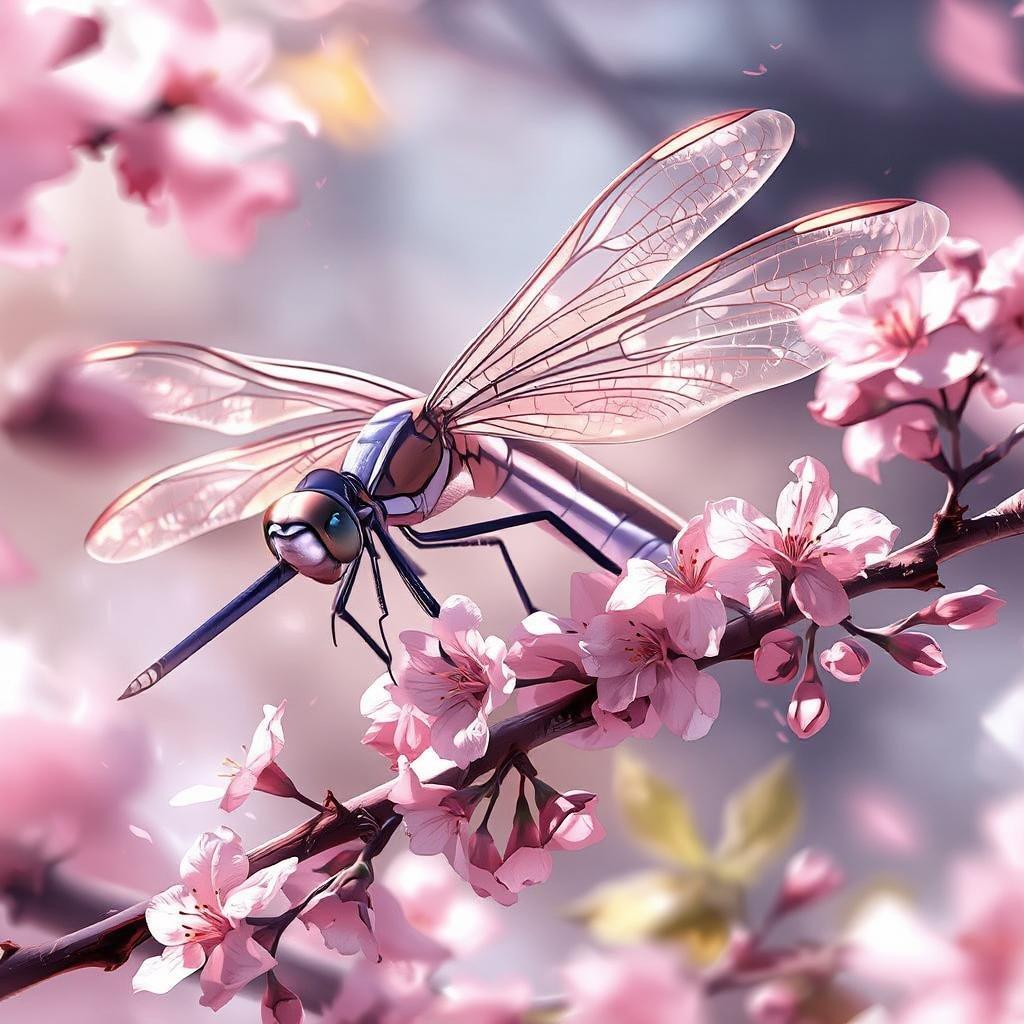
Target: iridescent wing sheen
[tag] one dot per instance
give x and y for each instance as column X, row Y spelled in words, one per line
column 236, row 394
column 214, row 490
column 724, row 330
column 626, row 241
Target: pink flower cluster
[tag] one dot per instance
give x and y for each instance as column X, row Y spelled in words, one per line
column 438, row 819
column 169, row 91
column 910, row 350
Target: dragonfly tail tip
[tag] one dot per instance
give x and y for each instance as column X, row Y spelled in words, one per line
column 142, row 682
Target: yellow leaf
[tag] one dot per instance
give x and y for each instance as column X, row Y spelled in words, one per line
column 631, row 909
column 658, row 817
column 332, row 83
column 758, row 823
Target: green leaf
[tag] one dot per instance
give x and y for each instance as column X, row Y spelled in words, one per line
column 759, row 822
column 632, row 909
column 658, row 817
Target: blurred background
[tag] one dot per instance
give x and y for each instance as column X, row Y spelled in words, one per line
column 459, row 139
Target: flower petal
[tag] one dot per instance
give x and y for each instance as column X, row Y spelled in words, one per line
column 258, row 890
column 160, row 974
column 231, row 966
column 819, row 595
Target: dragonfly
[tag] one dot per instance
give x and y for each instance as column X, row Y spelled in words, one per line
column 608, row 341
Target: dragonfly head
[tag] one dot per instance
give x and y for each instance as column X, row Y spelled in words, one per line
column 315, row 528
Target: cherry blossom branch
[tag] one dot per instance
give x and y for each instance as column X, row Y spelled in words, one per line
column 109, row 943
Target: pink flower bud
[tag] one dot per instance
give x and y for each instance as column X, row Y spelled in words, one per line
column 777, row 658
column 808, row 708
column 567, row 820
column 273, row 780
column 525, row 861
column 773, row 1003
column 846, row 660
column 810, row 875
column 280, row 1004
column 977, row 608
column 917, row 652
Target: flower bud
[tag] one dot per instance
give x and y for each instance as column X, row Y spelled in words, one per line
column 777, row 658
column 525, row 861
column 808, row 708
column 846, row 660
column 810, row 875
column 773, row 1003
column 977, row 608
column 917, row 652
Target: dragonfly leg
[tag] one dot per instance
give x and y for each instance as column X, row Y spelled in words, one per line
column 478, row 531
column 421, row 540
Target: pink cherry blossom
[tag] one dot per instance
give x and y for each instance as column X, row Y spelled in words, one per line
column 977, row 608
column 846, row 660
column 904, row 321
column 632, row 986
column 438, row 904
column 810, row 875
column 280, row 1004
column 808, row 708
column 631, row 655
column 193, row 158
column 201, row 922
column 435, row 819
column 259, row 771
column 397, row 727
column 693, row 585
column 805, row 547
column 916, row 651
column 458, row 677
column 549, row 646
column 777, row 658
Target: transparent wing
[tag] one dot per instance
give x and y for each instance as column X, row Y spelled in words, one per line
column 725, row 330
column 235, row 394
column 626, row 241
column 214, row 490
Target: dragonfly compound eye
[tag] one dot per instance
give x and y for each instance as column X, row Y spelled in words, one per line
column 315, row 532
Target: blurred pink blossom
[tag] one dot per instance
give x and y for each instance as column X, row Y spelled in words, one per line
column 631, row 655
column 201, row 922
column 847, row 660
column 473, row 1002
column 977, row 608
column 777, row 658
column 458, row 677
column 810, row 875
column 14, row 567
column 44, row 114
column 631, row 986
column 805, row 547
column 438, row 904
column 808, row 707
column 975, row 970
column 775, row 1002
column 974, row 46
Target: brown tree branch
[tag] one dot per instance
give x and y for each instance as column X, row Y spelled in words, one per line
column 109, row 943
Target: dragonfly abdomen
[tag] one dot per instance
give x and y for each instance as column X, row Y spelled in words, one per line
column 617, row 518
